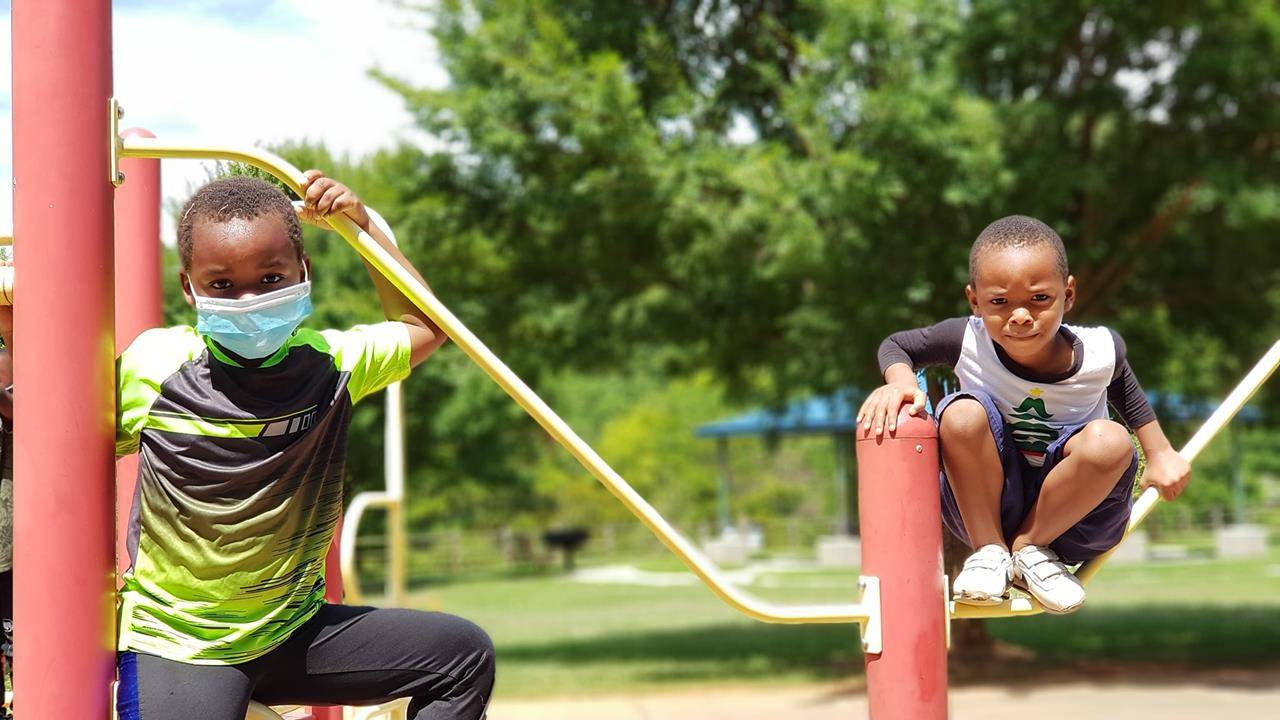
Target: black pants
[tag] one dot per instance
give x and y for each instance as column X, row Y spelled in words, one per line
column 342, row 656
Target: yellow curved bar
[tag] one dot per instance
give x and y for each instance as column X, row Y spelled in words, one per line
column 1249, row 385
column 370, row 250
column 1252, row 381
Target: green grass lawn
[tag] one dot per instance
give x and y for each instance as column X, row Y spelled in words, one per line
column 557, row 637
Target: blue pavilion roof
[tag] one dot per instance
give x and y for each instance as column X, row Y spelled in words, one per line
column 836, row 413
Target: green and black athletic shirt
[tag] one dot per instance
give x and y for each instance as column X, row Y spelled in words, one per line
column 239, row 483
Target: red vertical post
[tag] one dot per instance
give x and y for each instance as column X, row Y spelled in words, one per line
column 901, row 523
column 332, row 594
column 138, row 294
column 63, row 358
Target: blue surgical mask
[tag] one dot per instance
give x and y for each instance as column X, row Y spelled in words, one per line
column 254, row 327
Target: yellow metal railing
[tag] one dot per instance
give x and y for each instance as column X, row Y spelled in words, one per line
column 1147, row 501
column 865, row 612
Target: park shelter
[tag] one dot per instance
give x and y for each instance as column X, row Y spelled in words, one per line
column 835, row 414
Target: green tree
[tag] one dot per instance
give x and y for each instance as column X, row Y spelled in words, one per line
column 773, row 186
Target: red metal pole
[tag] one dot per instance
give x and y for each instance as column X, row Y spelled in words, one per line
column 901, row 523
column 332, row 594
column 138, row 294
column 63, row 359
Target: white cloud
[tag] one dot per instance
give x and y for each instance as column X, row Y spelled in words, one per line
column 297, row 70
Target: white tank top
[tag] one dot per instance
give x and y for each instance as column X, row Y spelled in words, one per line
column 1037, row 413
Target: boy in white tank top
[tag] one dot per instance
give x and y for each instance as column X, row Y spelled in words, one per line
column 1036, row 477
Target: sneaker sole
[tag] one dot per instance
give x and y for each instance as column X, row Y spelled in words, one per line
column 1021, row 585
column 980, row 600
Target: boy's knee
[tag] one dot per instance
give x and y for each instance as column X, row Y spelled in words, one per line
column 964, row 420
column 1104, row 444
column 477, row 646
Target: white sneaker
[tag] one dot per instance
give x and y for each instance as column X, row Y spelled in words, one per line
column 985, row 577
column 1039, row 571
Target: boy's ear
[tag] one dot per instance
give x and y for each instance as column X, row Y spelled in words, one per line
column 185, row 283
column 1069, row 295
column 972, row 297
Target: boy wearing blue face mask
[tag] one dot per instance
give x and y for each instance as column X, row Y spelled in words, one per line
column 240, row 423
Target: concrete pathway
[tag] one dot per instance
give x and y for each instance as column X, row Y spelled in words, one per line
column 1193, row 700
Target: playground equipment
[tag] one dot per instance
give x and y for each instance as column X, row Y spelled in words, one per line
column 862, row 613
column 66, row 137
column 390, row 498
column 903, row 615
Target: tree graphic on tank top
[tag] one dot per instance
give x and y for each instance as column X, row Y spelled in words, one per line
column 1031, row 432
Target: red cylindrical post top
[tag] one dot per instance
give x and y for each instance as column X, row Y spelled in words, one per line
column 63, row 359
column 901, row 524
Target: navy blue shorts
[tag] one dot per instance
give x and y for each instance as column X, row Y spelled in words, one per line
column 1099, row 531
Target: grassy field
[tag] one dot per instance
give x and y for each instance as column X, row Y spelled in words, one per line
column 558, row 637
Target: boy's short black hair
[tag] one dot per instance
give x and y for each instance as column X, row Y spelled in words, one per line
column 1017, row 231
column 240, row 197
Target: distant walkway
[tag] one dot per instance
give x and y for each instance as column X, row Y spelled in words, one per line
column 1252, row 699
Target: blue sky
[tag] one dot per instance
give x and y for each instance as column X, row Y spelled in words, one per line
column 252, row 72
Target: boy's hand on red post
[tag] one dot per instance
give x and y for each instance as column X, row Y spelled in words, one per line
column 880, row 410
column 1168, row 472
column 322, row 196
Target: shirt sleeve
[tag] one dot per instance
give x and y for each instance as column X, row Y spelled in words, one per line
column 130, row 414
column 140, row 372
column 374, row 355
column 1125, row 393
column 925, row 347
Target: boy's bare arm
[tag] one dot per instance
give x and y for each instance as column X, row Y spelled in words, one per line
column 324, row 196
column 899, row 355
column 1167, row 471
column 425, row 336
column 880, row 410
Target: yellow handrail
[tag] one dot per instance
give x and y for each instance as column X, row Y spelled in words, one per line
column 698, row 564
column 380, row 259
column 1249, row 385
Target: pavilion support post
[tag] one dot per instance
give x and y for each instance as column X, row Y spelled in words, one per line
column 724, row 512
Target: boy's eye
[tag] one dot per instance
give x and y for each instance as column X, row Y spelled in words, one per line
column 1039, row 297
column 998, row 301
column 220, row 284
column 272, row 279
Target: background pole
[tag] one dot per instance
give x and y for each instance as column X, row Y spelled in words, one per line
column 63, row 359
column 901, row 521
column 139, row 300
